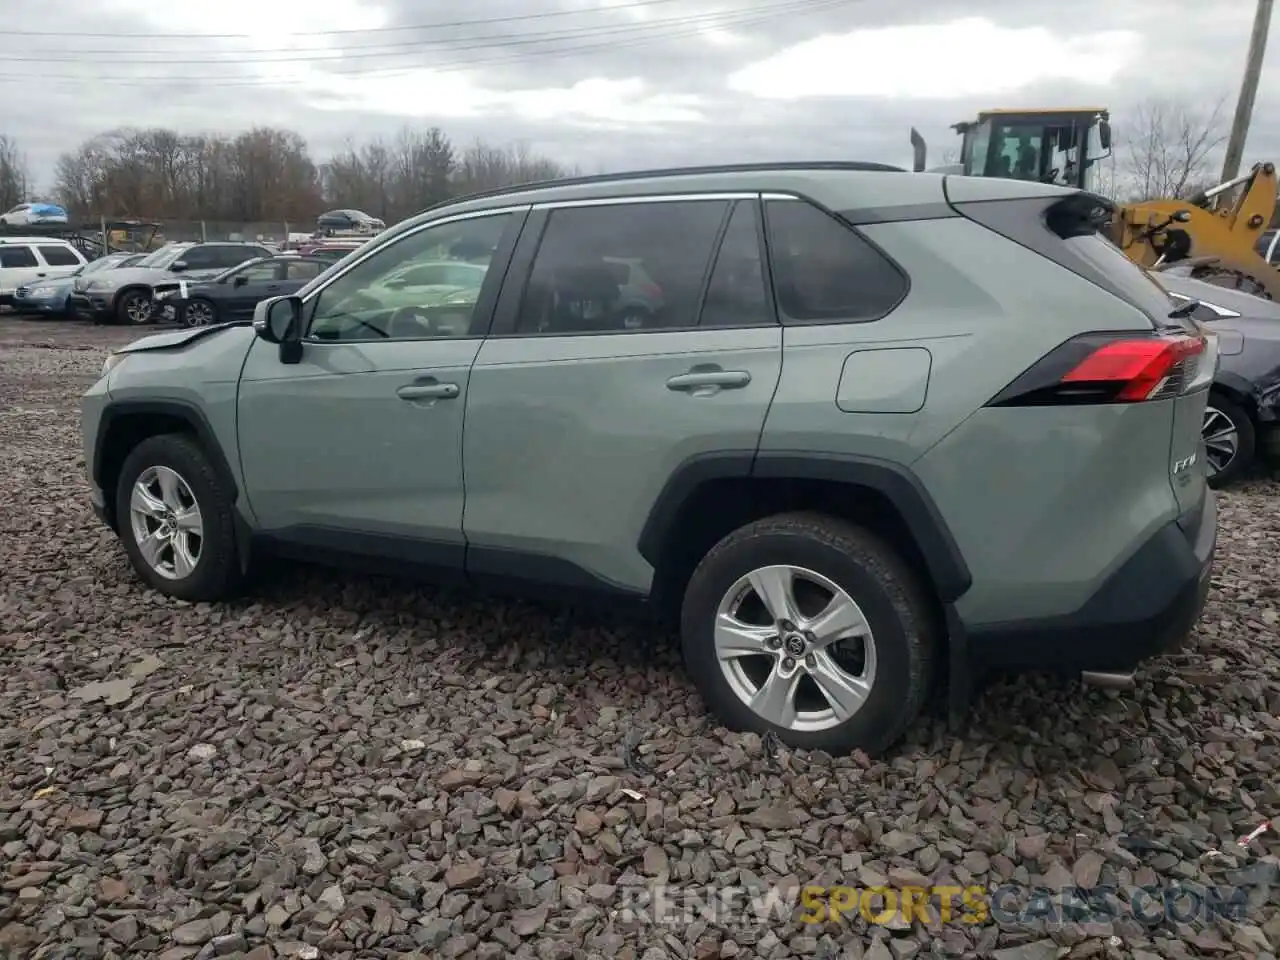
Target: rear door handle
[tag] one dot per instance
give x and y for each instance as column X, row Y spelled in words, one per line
column 428, row 391
column 713, row 378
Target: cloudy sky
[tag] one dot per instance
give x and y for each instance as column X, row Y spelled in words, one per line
column 614, row 84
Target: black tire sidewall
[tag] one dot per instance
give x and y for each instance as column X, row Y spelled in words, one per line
column 215, row 569
column 1246, row 440
column 881, row 718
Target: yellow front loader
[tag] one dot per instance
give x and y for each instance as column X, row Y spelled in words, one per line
column 1215, row 233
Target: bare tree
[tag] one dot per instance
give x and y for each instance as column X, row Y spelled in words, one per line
column 1168, row 147
column 15, row 178
column 268, row 174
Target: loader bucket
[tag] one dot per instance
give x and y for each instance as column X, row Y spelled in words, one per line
column 918, row 147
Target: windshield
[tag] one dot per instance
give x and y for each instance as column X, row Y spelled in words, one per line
column 160, row 258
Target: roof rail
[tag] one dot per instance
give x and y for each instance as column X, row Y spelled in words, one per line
column 762, row 167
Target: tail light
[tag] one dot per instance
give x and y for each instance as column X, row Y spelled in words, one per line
column 1116, row 368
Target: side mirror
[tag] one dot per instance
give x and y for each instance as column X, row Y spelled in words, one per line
column 1104, row 134
column 241, row 280
column 178, row 266
column 279, row 321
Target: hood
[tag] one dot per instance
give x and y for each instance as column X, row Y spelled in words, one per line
column 148, row 275
column 178, row 338
column 59, row 282
column 1242, row 303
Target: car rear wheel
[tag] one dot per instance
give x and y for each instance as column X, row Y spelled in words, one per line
column 199, row 313
column 1229, row 441
column 134, row 308
column 810, row 628
column 174, row 515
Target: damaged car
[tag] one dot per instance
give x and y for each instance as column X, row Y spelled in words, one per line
column 1242, row 419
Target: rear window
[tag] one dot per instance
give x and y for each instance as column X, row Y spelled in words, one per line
column 1135, row 282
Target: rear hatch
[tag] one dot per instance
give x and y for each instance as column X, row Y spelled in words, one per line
column 1067, row 227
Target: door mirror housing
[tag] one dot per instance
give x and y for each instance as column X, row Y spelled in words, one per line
column 241, row 280
column 279, row 321
column 178, row 266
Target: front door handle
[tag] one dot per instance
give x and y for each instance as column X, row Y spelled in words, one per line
column 428, row 391
column 699, row 380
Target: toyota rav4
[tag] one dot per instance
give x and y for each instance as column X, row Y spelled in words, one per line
column 872, row 429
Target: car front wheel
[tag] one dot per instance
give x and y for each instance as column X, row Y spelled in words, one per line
column 174, row 515
column 134, row 308
column 1229, row 441
column 810, row 628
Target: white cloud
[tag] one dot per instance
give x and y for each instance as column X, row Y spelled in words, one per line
column 940, row 61
column 427, row 93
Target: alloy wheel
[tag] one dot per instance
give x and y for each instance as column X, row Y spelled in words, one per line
column 137, row 309
column 1221, row 440
column 197, row 313
column 795, row 648
column 166, row 522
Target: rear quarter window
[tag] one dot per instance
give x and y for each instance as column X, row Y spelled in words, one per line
column 824, row 271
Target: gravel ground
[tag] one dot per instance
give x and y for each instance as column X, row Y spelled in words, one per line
column 349, row 767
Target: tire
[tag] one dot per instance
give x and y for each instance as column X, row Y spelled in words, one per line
column 128, row 310
column 1222, row 472
column 200, row 303
column 891, row 599
column 215, row 573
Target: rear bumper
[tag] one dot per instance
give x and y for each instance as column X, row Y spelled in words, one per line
column 1146, row 608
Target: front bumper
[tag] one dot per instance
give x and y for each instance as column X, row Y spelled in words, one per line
column 1147, row 607
column 93, row 306
column 47, row 306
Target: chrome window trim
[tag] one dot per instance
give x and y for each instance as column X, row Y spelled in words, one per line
column 629, row 200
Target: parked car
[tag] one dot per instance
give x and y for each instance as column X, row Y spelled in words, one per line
column 53, row 297
column 26, row 261
column 1242, row 418
column 232, row 294
column 950, row 427
column 124, row 296
column 356, row 221
column 331, row 250
column 30, row 214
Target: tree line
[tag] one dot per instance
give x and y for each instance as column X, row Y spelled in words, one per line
column 267, row 174
column 1164, row 148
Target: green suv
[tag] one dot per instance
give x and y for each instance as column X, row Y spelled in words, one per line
column 872, row 429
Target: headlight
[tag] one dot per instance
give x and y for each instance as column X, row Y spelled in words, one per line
column 113, row 360
column 98, row 285
column 39, row 292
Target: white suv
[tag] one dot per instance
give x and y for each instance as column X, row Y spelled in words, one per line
column 24, row 259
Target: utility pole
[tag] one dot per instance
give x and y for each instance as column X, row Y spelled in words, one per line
column 1248, row 91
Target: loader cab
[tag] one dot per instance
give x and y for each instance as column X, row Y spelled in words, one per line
column 1046, row 146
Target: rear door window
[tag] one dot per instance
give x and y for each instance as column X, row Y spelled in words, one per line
column 59, row 256
column 736, row 294
column 621, row 267
column 824, row 271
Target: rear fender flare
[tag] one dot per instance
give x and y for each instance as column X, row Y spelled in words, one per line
column 895, row 482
